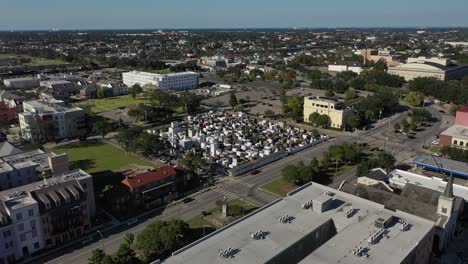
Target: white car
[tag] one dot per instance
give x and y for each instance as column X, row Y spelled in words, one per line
column 132, row 221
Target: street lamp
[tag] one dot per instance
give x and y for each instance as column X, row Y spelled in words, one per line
column 102, row 239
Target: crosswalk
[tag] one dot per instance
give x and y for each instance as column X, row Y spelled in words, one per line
column 238, row 181
column 229, row 195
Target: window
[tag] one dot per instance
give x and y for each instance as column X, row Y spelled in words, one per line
column 31, row 212
column 7, row 233
column 461, row 143
column 444, row 210
column 455, row 142
column 36, row 245
column 21, row 227
column 19, row 216
column 23, row 237
column 33, row 223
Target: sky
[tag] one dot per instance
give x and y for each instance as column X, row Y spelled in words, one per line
column 160, row 14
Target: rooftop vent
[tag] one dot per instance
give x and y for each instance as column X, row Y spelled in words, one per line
column 260, row 234
column 307, row 205
column 405, row 226
column 228, row 253
column 286, row 219
column 361, row 251
column 351, row 212
column 377, row 236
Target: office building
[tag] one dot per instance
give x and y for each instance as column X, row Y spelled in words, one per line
column 439, row 68
column 334, row 109
column 172, row 81
column 44, row 121
column 316, row 224
column 45, row 214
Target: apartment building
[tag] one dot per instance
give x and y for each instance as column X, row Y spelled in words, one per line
column 30, row 166
column 341, row 66
column 44, row 121
column 45, row 214
column 327, row 106
column 21, row 83
column 172, row 81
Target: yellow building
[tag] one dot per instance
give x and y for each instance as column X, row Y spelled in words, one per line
column 327, row 106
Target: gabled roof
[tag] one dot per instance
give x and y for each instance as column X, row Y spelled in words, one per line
column 150, row 176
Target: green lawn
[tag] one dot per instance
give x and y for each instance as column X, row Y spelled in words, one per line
column 35, row 61
column 112, row 103
column 279, row 187
column 95, row 156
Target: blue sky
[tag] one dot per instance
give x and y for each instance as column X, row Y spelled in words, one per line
column 154, row 14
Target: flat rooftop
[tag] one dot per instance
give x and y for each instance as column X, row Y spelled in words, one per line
column 45, row 106
column 434, row 183
column 456, row 131
column 457, row 168
column 348, row 232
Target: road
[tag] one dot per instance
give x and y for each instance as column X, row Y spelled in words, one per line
column 246, row 186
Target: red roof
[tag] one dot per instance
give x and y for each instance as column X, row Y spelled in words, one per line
column 463, row 109
column 150, row 176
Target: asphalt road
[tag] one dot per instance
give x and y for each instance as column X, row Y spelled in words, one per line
column 245, row 186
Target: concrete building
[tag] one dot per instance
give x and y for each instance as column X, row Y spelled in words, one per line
column 44, row 215
column 327, row 106
column 30, row 166
column 374, row 55
column 172, row 81
column 438, row 205
column 439, row 68
column 341, row 66
column 316, row 224
column 21, row 83
column 43, row 121
column 456, row 135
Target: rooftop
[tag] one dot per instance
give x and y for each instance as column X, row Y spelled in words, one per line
column 443, row 165
column 45, row 107
column 150, row 176
column 347, row 219
column 434, row 183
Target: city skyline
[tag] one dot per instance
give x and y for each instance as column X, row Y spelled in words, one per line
column 207, row 14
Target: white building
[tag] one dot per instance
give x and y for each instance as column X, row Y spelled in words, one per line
column 341, row 66
column 439, row 68
column 21, row 83
column 172, row 81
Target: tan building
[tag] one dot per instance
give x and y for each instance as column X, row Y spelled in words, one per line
column 336, row 110
column 440, row 68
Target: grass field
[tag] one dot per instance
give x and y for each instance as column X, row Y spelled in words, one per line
column 35, row 61
column 95, row 156
column 112, row 103
column 279, row 187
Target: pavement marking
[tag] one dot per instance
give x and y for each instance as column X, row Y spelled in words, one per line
column 242, row 182
column 229, row 195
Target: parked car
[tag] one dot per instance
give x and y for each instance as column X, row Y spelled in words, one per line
column 254, row 172
column 132, row 221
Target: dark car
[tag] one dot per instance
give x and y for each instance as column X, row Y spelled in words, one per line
column 254, row 172
column 442, row 111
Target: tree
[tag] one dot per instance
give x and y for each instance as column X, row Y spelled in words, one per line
column 148, row 144
column 135, row 90
column 97, row 256
column 103, row 127
column 415, row 99
column 352, row 121
column 323, row 120
column 191, row 102
column 329, row 93
column 160, row 238
column 233, row 100
column 397, row 126
column 192, row 163
column 100, row 93
column 128, row 239
column 125, row 255
column 313, row 118
column 239, row 108
column 350, row 94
